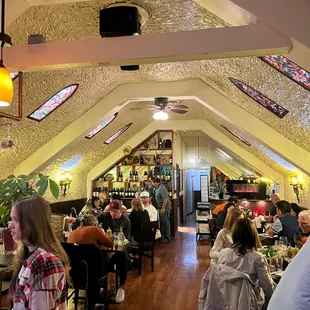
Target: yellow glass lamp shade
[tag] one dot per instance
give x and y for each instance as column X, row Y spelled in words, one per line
column 6, row 87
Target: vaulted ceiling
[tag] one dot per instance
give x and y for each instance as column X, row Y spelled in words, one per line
column 202, row 84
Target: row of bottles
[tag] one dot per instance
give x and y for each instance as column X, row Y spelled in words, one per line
column 135, row 177
column 164, row 144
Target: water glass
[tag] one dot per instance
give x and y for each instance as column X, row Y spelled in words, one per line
column 283, row 241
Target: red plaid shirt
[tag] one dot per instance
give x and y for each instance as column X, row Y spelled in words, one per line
column 41, row 283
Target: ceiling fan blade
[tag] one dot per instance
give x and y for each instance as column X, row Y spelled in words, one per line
column 145, row 109
column 178, row 111
column 179, row 106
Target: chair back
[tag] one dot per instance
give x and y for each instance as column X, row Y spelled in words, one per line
column 85, row 261
column 212, row 228
column 148, row 234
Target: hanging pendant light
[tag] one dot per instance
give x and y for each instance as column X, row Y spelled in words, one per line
column 6, row 83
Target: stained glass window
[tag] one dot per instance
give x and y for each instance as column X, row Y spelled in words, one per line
column 53, row 103
column 264, row 101
column 101, row 126
column 117, row 134
column 290, row 69
column 14, row 75
column 237, row 136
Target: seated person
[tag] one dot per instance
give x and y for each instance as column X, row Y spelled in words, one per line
column 258, row 211
column 273, row 211
column 286, row 224
column 103, row 196
column 296, row 209
column 220, row 220
column 92, row 207
column 137, row 216
column 145, row 199
column 241, row 275
column 90, row 233
column 114, row 219
column 302, row 234
column 221, row 207
column 117, row 197
column 223, row 239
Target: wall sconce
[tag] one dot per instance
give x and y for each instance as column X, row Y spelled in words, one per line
column 65, row 179
column 296, row 182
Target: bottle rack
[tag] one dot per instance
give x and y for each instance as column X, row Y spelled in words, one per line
column 130, row 173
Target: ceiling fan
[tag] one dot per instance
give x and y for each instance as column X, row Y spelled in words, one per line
column 164, row 105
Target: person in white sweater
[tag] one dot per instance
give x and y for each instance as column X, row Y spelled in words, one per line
column 224, row 238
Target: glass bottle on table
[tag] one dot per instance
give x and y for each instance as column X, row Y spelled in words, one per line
column 121, row 236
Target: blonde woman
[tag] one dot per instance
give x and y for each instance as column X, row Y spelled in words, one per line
column 224, row 239
column 41, row 265
column 137, row 216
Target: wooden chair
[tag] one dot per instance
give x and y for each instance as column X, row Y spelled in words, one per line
column 213, row 230
column 146, row 244
column 4, row 290
column 87, row 273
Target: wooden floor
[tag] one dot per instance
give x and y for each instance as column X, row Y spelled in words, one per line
column 179, row 268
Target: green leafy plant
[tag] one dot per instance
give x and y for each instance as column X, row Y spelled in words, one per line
column 14, row 187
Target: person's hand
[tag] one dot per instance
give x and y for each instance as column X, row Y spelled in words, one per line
column 162, row 211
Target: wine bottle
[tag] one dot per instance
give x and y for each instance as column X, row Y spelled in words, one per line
column 130, row 177
column 170, row 159
column 158, row 160
column 160, row 143
column 145, row 177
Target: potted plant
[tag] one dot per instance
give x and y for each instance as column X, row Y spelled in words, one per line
column 14, row 187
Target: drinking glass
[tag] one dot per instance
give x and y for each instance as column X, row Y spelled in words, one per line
column 283, row 241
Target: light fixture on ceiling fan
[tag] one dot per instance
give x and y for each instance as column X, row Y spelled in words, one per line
column 162, row 106
column 6, row 83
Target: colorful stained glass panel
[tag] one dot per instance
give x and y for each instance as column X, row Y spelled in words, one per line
column 290, row 69
column 264, row 101
column 13, row 75
column 117, row 134
column 101, row 126
column 237, row 136
column 53, row 103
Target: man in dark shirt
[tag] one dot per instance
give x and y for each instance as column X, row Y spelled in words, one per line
column 286, row 224
column 114, row 219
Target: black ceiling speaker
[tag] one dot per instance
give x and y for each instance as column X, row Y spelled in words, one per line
column 119, row 21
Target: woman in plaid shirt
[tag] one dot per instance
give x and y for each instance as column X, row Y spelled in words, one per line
column 41, row 265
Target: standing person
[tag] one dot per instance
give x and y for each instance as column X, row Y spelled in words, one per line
column 273, row 211
column 164, row 207
column 42, row 267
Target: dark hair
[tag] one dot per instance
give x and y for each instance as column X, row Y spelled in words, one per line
column 245, row 237
column 155, row 179
column 296, row 208
column 283, row 206
column 93, row 200
column 233, row 199
column 116, row 197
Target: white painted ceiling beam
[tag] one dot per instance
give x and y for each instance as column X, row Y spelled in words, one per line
column 213, row 43
column 203, row 93
column 288, row 16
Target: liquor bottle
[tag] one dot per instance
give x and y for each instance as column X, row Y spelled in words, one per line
column 145, row 177
column 154, row 160
column 130, row 177
column 170, row 159
column 136, row 176
column 162, row 177
column 163, row 144
column 121, row 176
column 158, row 161
column 160, row 143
